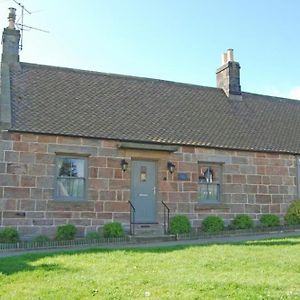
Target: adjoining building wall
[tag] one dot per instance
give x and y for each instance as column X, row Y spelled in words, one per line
column 252, row 182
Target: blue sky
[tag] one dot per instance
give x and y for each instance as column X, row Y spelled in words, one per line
column 169, row 39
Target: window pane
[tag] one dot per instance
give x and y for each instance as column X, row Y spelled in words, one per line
column 143, row 174
column 78, row 165
column 209, row 192
column 69, row 167
column 209, row 173
column 65, row 167
column 70, row 187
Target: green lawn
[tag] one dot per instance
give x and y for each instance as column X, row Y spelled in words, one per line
column 253, row 270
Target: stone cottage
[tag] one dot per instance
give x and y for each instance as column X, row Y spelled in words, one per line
column 89, row 148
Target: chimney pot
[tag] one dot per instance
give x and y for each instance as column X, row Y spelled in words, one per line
column 224, row 58
column 230, row 55
column 12, row 18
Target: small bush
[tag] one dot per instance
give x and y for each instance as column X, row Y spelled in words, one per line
column 112, row 230
column 212, row 224
column 269, row 220
column 9, row 235
column 292, row 216
column 93, row 235
column 242, row 222
column 41, row 239
column 65, row 232
column 179, row 225
column 291, row 219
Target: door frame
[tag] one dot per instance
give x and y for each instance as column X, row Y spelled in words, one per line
column 156, row 187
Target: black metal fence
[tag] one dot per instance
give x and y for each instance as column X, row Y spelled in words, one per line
column 61, row 244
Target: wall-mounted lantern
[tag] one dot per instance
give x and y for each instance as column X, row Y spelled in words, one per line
column 124, row 165
column 171, row 167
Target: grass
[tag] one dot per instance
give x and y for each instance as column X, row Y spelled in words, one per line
column 267, row 269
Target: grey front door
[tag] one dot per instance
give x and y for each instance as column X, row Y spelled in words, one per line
column 143, row 191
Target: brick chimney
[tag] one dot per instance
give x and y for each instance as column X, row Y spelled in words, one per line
column 10, row 58
column 228, row 76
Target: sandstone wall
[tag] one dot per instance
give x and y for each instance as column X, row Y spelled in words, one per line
column 252, row 183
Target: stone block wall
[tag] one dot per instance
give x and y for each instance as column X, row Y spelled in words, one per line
column 253, row 183
column 27, row 174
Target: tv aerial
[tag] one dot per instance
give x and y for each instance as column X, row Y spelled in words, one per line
column 21, row 26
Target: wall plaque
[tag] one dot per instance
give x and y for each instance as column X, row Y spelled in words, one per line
column 184, row 176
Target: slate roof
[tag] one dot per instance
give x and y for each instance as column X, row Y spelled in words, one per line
column 56, row 100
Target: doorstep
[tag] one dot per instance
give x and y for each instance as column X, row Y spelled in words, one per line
column 138, row 239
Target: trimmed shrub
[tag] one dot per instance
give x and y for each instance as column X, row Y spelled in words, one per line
column 180, row 224
column 65, row 232
column 113, row 230
column 269, row 220
column 292, row 216
column 41, row 239
column 291, row 219
column 242, row 222
column 93, row 235
column 9, row 235
column 212, row 224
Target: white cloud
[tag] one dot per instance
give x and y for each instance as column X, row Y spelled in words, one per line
column 292, row 93
column 295, row 93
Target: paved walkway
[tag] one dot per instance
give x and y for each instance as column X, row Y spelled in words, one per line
column 202, row 241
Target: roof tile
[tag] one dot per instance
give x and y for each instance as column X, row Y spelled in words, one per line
column 65, row 101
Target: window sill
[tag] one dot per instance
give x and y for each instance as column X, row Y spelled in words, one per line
column 70, row 201
column 206, row 206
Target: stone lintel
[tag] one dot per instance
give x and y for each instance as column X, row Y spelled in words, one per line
column 155, row 147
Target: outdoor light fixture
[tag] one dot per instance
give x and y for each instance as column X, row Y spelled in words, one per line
column 171, row 167
column 124, row 165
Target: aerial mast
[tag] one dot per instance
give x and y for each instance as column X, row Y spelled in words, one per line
column 21, row 26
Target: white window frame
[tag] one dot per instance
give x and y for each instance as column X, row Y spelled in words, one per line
column 58, row 197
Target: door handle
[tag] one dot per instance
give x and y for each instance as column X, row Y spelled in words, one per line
column 154, row 191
